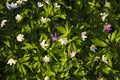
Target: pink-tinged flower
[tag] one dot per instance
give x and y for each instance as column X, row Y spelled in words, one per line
column 72, row 53
column 54, row 37
column 107, row 28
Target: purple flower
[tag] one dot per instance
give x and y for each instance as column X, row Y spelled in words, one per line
column 54, row 37
column 57, row 24
column 72, row 53
column 107, row 28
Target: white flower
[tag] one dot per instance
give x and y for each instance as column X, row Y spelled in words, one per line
column 39, row 4
column 104, row 15
column 11, row 6
column 99, row 78
column 43, row 20
column 43, row 45
column 104, row 59
column 93, row 48
column 83, row 35
column 117, row 78
column 107, row 4
column 97, row 58
column 46, row 1
column 20, row 37
column 18, row 17
column 46, row 59
column 72, row 53
column 56, row 5
column 46, row 78
column 24, row 0
column 8, row 5
column 63, row 41
column 14, row 5
column 3, row 22
column 11, row 61
column 19, row 2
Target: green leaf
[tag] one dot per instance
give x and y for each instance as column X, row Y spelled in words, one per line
column 43, row 36
column 106, row 70
column 36, row 65
column 61, row 30
column 26, row 58
column 26, row 29
column 113, row 36
column 28, row 65
column 23, row 69
column 7, row 43
column 62, row 75
column 35, row 58
column 99, row 43
column 65, row 30
column 74, row 47
column 51, row 73
column 28, row 46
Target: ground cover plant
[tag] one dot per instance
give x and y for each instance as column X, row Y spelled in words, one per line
column 59, row 40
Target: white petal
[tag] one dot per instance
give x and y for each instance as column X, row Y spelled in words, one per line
column 46, row 59
column 8, row 6
column 104, row 59
column 39, row 4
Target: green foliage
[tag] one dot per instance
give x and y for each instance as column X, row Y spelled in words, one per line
column 59, row 40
